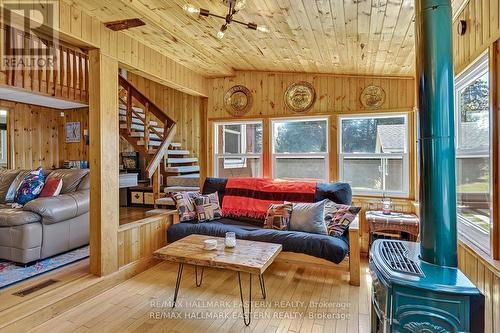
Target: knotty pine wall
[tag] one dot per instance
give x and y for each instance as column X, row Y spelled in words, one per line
column 183, row 108
column 336, row 95
column 483, row 29
column 37, row 137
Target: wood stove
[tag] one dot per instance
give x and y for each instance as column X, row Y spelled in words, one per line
column 411, row 295
column 417, row 287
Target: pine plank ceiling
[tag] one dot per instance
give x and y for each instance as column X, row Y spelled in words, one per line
column 368, row 37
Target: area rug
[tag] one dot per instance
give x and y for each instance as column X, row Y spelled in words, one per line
column 11, row 273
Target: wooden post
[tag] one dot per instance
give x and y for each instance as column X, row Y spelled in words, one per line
column 156, row 185
column 129, row 110
column 104, row 162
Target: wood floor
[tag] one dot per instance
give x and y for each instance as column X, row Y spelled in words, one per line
column 299, row 299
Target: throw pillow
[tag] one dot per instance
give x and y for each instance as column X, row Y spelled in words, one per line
column 52, row 187
column 185, row 205
column 11, row 192
column 278, row 216
column 207, row 207
column 339, row 217
column 309, row 217
column 30, row 187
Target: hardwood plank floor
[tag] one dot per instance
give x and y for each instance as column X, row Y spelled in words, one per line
column 299, row 299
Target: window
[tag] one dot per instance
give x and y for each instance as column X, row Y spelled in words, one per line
column 373, row 154
column 300, row 149
column 238, row 149
column 473, row 163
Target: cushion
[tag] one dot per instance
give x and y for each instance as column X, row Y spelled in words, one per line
column 278, row 216
column 52, row 187
column 71, row 178
column 207, row 207
column 326, row 247
column 6, row 178
column 337, row 192
column 218, row 185
column 11, row 192
column 309, row 217
column 339, row 217
column 13, row 217
column 185, row 205
column 30, row 187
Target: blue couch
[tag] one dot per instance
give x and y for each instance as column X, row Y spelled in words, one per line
column 333, row 249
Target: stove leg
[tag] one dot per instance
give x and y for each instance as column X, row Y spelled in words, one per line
column 198, row 284
column 178, row 283
column 246, row 319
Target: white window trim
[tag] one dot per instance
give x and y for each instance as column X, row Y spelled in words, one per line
column 466, row 229
column 404, row 156
column 244, row 157
column 275, row 156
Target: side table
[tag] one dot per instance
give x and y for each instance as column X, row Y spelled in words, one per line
column 395, row 222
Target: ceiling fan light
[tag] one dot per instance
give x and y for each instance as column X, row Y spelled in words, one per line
column 262, row 28
column 191, row 9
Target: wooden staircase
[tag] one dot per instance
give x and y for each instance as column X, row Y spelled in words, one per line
column 168, row 165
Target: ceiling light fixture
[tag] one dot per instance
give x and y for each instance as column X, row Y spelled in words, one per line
column 234, row 7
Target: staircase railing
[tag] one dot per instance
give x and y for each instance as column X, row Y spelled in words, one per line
column 150, row 109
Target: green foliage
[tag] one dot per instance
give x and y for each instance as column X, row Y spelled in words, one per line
column 301, row 137
column 474, row 100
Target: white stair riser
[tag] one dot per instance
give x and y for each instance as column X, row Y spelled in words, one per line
column 152, row 143
column 135, row 108
column 152, row 136
column 140, row 127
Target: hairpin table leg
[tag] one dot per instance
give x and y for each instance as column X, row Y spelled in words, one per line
column 262, row 286
column 248, row 318
column 198, row 284
column 178, row 283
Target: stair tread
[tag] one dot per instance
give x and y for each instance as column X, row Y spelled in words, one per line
column 180, row 160
column 165, row 201
column 135, row 108
column 154, row 143
column 175, row 152
column 152, row 136
column 138, row 121
column 172, row 189
column 140, row 127
column 176, row 144
column 183, row 169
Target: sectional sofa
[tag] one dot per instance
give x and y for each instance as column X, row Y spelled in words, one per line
column 45, row 226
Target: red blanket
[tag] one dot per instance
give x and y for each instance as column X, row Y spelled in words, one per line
column 251, row 197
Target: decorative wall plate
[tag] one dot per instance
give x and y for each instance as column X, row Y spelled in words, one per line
column 300, row 97
column 238, row 100
column 372, row 97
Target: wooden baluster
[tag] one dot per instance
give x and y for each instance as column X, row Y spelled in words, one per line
column 80, row 77
column 156, row 185
column 129, row 110
column 57, row 60
column 147, row 118
column 62, row 72
column 68, row 71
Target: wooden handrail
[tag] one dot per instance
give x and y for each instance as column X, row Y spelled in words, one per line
column 155, row 162
column 155, row 110
column 169, row 125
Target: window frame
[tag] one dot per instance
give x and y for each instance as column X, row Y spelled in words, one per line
column 325, row 155
column 405, row 157
column 242, row 141
column 466, row 229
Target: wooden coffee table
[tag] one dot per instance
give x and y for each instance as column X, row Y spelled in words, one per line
column 247, row 257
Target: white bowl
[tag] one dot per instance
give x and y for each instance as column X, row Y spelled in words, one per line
column 210, row 244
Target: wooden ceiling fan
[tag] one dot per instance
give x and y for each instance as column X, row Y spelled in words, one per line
column 234, row 7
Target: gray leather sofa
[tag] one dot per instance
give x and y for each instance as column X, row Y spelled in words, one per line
column 45, row 226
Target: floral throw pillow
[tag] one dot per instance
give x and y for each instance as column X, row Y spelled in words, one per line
column 208, row 207
column 184, row 201
column 278, row 216
column 339, row 217
column 30, row 187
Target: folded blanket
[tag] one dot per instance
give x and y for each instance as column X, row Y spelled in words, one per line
column 251, row 197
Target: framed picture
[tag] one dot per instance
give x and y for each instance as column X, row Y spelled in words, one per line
column 72, row 132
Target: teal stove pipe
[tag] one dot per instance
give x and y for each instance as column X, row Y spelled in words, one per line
column 434, row 74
